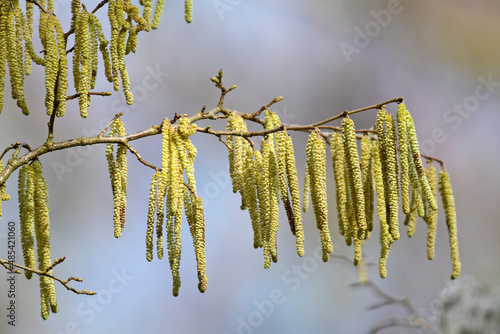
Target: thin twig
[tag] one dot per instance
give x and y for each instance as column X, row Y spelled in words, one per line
column 8, row 265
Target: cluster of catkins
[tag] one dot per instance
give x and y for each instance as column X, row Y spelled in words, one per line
column 263, row 177
column 379, row 172
column 35, row 225
column 17, row 50
column 170, row 197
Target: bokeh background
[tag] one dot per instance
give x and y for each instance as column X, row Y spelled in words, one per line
column 323, row 57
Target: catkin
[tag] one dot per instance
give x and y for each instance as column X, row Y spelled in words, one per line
column 337, row 151
column 117, row 168
column 157, row 14
column 316, row 162
column 392, row 176
column 26, row 188
column 153, row 193
column 42, row 231
column 415, row 152
column 411, row 217
column 354, row 175
column 386, row 238
column 451, row 220
column 251, row 196
column 403, row 158
column 62, row 82
column 432, row 214
column 188, row 11
column 366, row 171
column 293, row 184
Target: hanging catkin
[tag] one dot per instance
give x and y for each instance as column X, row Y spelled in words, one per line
column 451, row 220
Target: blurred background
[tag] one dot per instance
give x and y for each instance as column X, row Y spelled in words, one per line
column 323, row 57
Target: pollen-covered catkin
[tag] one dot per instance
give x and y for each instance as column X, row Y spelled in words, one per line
column 153, row 193
column 26, row 188
column 62, row 81
column 337, row 151
column 51, row 64
column 251, row 196
column 451, row 220
column 118, row 175
column 403, row 157
column 392, row 177
column 42, row 231
column 316, row 161
column 293, row 184
column 415, row 152
column 354, row 175
column 188, row 11
column 411, row 217
column 366, row 172
column 432, row 214
column 386, row 238
column 157, row 14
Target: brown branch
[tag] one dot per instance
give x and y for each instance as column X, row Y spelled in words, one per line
column 8, row 265
column 71, row 97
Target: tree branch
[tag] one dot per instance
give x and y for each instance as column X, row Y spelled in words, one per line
column 8, row 265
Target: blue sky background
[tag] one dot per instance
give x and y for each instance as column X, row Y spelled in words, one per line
column 437, row 55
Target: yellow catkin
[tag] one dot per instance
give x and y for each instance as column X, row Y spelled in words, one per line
column 307, row 190
column 451, row 220
column 392, row 177
column 121, row 168
column 174, row 210
column 162, row 186
column 274, row 206
column 403, row 158
column 264, row 210
column 14, row 35
column 42, row 231
column 415, row 152
column 354, row 175
column 51, row 65
column 103, row 44
column 199, row 245
column 157, row 14
column 94, row 51
column 293, row 184
column 117, row 168
column 113, row 46
column 316, row 161
column 153, row 193
column 26, row 188
column 385, row 237
column 27, row 36
column 411, row 217
column 188, row 11
column 267, row 209
column 281, row 147
column 62, row 82
column 147, row 12
column 337, row 151
column 432, row 214
column 251, row 197
column 416, row 188
column 366, row 171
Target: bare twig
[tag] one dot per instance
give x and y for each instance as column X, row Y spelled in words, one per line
column 8, row 265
